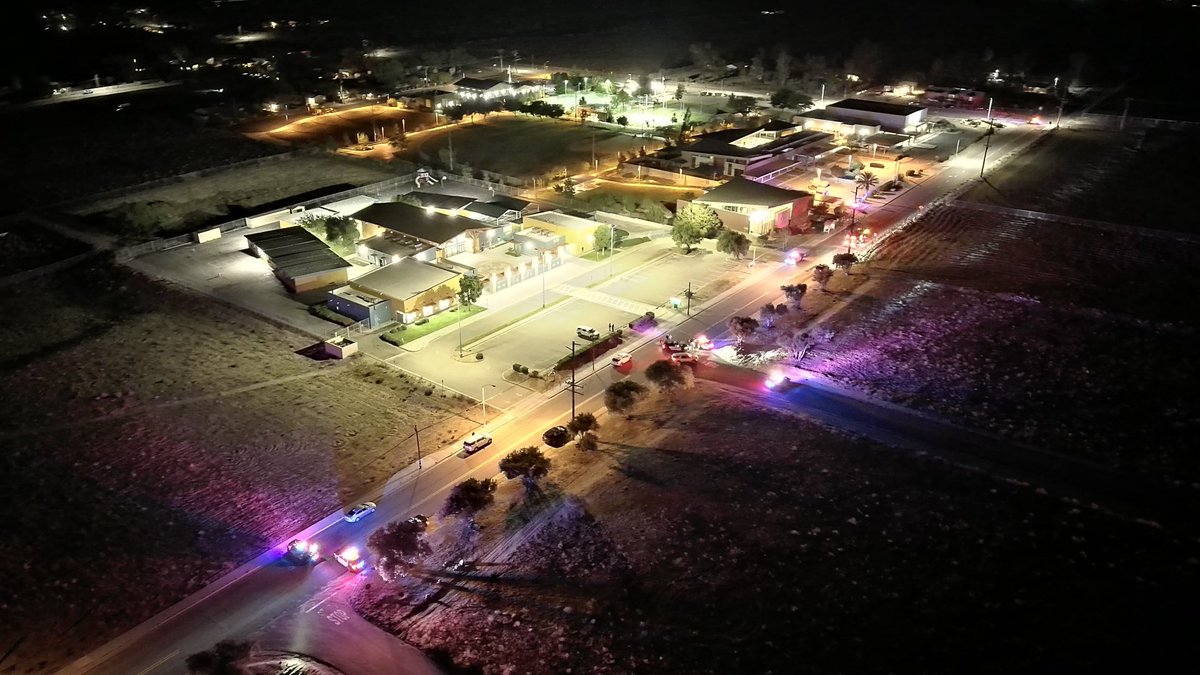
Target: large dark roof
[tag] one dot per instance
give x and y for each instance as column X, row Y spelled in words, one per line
column 712, row 146
column 509, row 202
column 743, row 191
column 440, row 201
column 489, row 209
column 414, row 221
column 776, row 125
column 403, row 279
column 476, row 83
column 296, row 252
column 875, row 106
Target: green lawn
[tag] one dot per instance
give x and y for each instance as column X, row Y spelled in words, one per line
column 597, row 256
column 525, row 146
column 436, row 322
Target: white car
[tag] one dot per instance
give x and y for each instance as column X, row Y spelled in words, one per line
column 359, row 512
column 680, row 358
column 476, row 442
column 587, row 333
column 621, row 359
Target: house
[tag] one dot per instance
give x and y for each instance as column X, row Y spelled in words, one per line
column 472, row 88
column 895, row 117
column 732, row 152
column 405, row 291
column 499, row 210
column 427, row 99
column 555, row 230
column 300, row 260
column 756, row 208
column 442, row 235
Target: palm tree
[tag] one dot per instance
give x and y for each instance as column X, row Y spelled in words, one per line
column 866, row 180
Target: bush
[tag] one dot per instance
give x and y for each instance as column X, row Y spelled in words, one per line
column 323, row 312
column 422, row 322
column 429, row 392
column 479, row 356
column 517, row 367
column 533, row 373
column 524, row 370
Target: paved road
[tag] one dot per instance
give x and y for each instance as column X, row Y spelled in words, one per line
column 304, row 608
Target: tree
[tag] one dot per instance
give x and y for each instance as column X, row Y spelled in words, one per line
column 680, row 90
column 398, row 547
column 588, row 442
column 693, row 223
column 734, row 243
column 341, row 232
column 781, row 97
column 844, row 261
column 822, row 274
column 742, row 327
column 623, row 121
column 740, row 103
column 758, row 65
column 866, row 180
column 783, row 66
column 794, row 293
column 602, row 237
column 470, row 497
column 621, row 397
column 529, row 464
column 653, row 210
column 228, row 657
column 583, row 423
column 470, row 289
column 665, row 375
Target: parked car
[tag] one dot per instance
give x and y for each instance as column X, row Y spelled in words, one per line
column 682, row 358
column 476, row 442
column 587, row 333
column 351, row 558
column 670, row 345
column 643, row 322
column 621, row 358
column 556, row 437
column 359, row 512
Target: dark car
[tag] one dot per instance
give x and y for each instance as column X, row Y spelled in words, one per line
column 556, row 437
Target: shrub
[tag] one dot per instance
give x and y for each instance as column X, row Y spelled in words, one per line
column 429, row 392
column 524, row 370
column 479, row 356
column 516, row 367
column 321, row 311
column 533, row 373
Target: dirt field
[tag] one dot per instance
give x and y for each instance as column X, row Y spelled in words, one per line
column 25, row 245
column 545, row 145
column 709, row 535
column 153, row 435
column 1068, row 338
column 342, row 127
column 231, row 193
column 1100, row 175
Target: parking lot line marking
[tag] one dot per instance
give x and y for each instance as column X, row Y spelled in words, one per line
column 317, row 605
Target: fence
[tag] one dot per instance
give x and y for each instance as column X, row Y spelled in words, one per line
column 360, row 328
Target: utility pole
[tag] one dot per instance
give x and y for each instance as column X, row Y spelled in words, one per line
column 573, row 384
column 612, row 243
column 987, row 143
column 1125, row 114
column 989, row 115
column 417, row 433
column 689, row 299
column 1058, row 122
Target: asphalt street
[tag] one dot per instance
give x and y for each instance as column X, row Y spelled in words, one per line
column 273, row 596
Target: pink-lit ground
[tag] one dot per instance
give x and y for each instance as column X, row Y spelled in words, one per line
column 154, row 440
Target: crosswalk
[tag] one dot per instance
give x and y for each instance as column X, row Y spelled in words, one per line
column 607, row 299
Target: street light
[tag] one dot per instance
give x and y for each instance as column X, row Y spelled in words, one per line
column 612, row 243
column 483, row 395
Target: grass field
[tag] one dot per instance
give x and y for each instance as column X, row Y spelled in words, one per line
column 343, row 127
column 516, row 145
column 214, row 198
column 155, row 436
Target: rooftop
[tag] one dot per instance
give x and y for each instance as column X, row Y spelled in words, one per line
column 392, row 244
column 875, row 106
column 296, row 252
column 440, row 201
column 744, row 191
column 563, row 220
column 477, row 84
column 404, row 279
column 431, row 227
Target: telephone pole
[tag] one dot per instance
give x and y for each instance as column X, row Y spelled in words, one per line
column 417, row 433
column 573, row 384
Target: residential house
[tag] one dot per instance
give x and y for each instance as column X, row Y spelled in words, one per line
column 756, row 208
column 300, row 260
